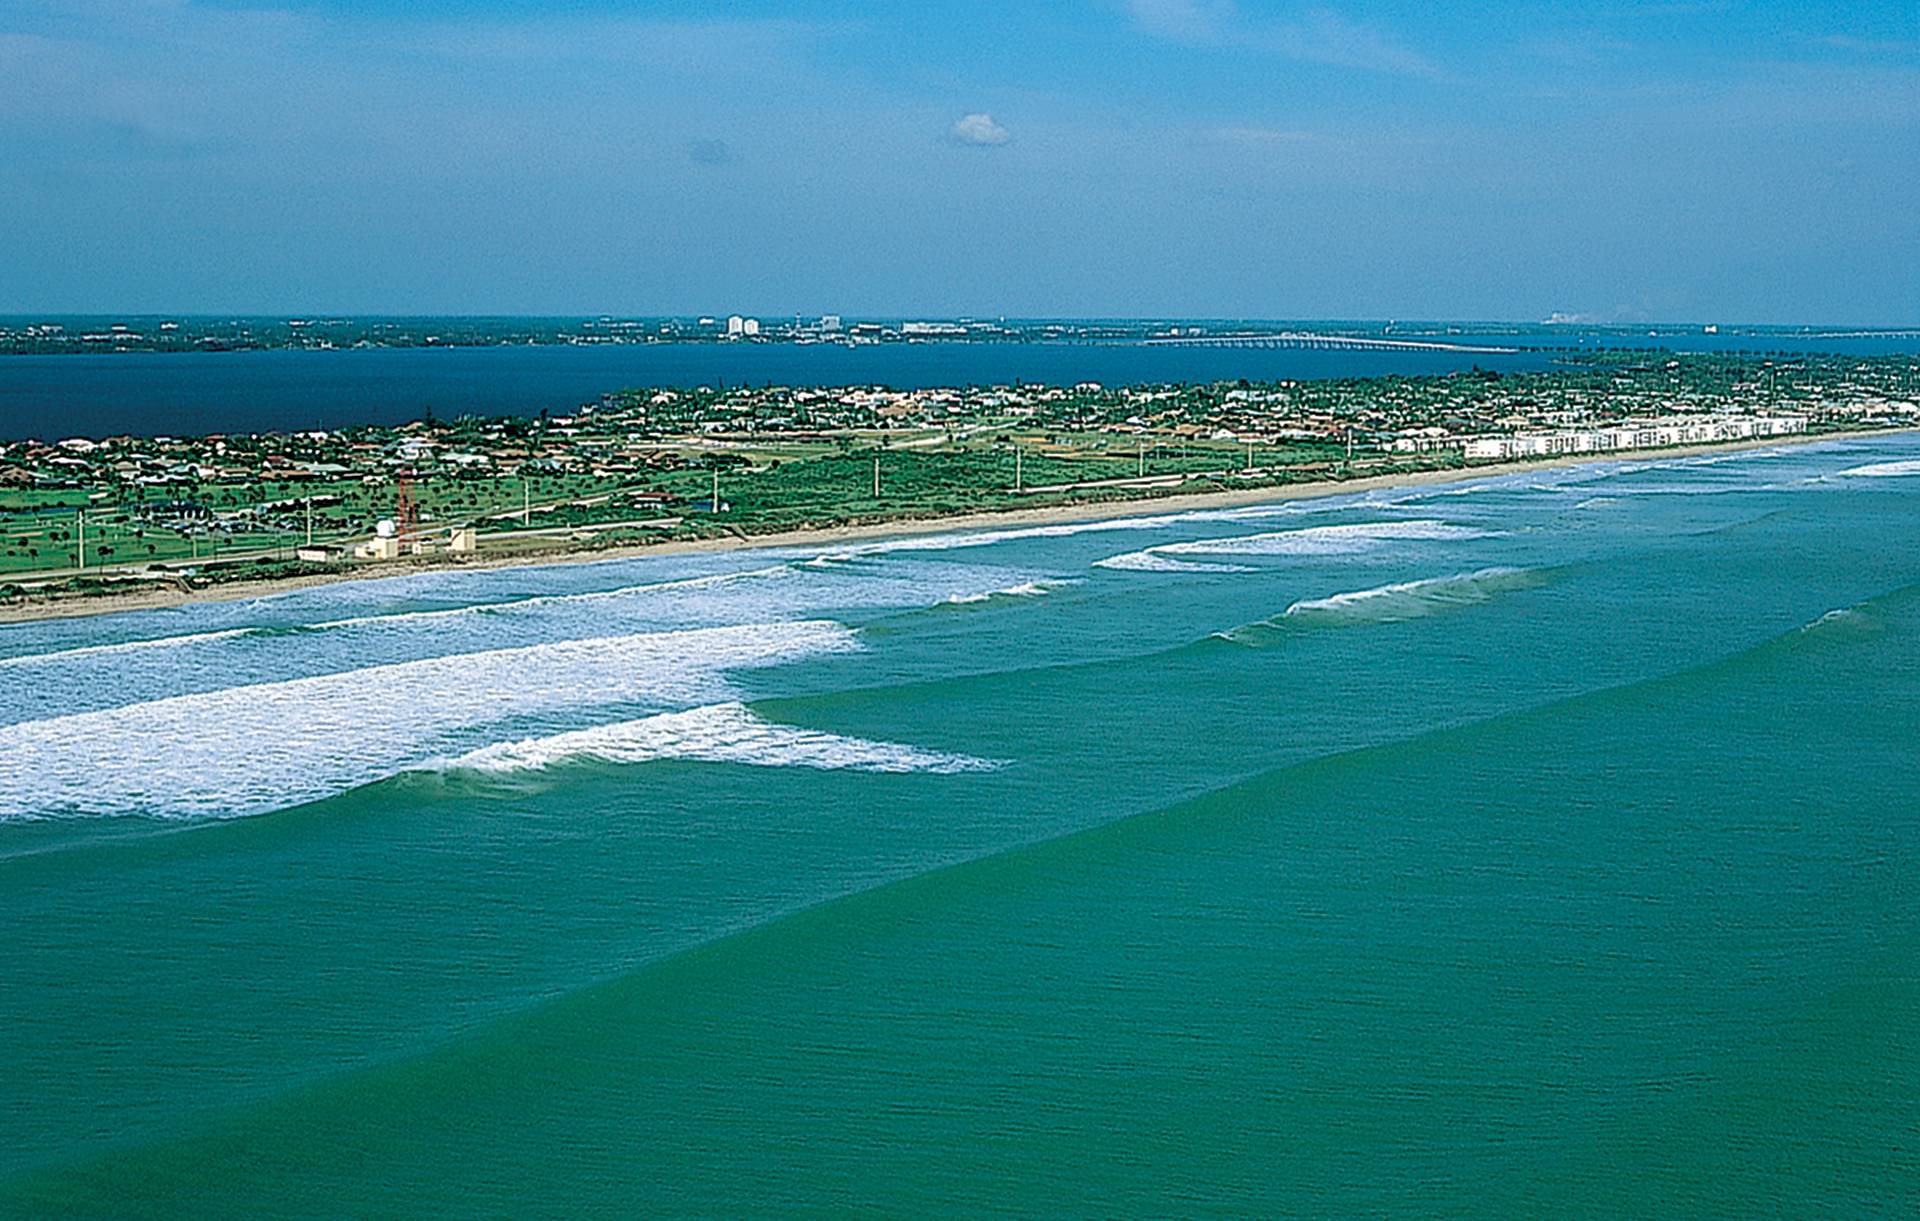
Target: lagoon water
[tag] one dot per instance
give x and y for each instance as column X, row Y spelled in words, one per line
column 196, row 392
column 1539, row 845
column 50, row 397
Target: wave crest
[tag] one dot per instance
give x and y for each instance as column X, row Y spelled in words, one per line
column 1393, row 603
column 120, row 647
column 716, row 733
column 1025, row 589
column 248, row 749
column 1882, row 470
column 1351, row 539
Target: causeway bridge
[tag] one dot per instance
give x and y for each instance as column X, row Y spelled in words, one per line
column 1312, row 339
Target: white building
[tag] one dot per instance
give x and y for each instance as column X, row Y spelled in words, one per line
column 1648, row 434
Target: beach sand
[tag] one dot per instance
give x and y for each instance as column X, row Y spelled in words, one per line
column 61, row 606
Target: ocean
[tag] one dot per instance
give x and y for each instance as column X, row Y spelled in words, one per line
column 192, row 393
column 1536, row 845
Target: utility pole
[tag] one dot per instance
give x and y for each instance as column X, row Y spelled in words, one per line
column 1143, row 459
column 309, row 521
column 1019, row 473
column 716, row 489
column 526, row 502
column 876, row 478
column 1249, row 455
column 81, row 517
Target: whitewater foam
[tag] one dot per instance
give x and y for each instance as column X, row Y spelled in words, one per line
column 247, row 749
column 985, row 538
column 1158, row 521
column 1315, row 540
column 1394, row 603
column 1411, row 599
column 716, row 733
column 1882, row 470
column 392, row 619
column 545, row 600
column 117, row 648
column 1026, row 589
column 1152, row 560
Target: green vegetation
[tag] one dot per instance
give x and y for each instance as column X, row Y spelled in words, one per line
column 645, row 464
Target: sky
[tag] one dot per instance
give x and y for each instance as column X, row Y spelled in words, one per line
column 1731, row 162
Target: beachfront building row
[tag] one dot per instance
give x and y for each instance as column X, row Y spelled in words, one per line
column 1639, row 434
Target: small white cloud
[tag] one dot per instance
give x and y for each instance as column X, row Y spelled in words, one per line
column 980, row 129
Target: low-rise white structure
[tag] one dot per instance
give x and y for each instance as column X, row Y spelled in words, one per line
column 1635, row 434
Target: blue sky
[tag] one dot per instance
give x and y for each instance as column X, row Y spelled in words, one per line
column 1221, row 158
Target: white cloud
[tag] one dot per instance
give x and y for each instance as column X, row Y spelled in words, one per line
column 979, row 129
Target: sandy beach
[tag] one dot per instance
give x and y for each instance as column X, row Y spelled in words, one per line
column 153, row 598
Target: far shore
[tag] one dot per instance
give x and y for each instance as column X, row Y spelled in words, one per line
column 161, row 598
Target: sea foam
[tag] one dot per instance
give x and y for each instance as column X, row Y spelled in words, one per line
column 1157, row 521
column 547, row 600
column 1025, row 589
column 1153, row 561
column 716, row 733
column 1316, row 540
column 1882, row 470
column 121, row 647
column 247, row 749
column 1411, row 599
column 379, row 620
column 1394, row 603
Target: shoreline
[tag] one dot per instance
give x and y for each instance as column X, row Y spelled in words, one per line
column 85, row 605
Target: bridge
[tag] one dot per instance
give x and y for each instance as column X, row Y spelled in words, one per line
column 1311, row 339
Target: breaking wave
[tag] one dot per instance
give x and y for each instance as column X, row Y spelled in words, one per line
column 248, row 749
column 1026, row 589
column 129, row 646
column 1412, row 599
column 716, row 733
column 1394, row 603
column 391, row 619
column 544, row 600
column 1316, row 540
column 1882, row 470
column 1153, row 561
column 985, row 538
column 1158, row 521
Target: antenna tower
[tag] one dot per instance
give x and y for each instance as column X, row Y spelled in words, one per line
column 406, row 512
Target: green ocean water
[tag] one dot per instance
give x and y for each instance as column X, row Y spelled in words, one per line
column 1536, row 846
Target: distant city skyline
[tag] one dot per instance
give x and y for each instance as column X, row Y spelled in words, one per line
column 1739, row 163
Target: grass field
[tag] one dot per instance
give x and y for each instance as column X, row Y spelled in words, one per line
column 763, row 486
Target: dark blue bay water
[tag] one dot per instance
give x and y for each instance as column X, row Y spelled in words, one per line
column 1535, row 846
column 190, row 393
column 195, row 392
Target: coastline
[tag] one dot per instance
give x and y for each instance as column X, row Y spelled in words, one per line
column 84, row 605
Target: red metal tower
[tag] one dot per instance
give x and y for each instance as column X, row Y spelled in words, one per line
column 406, row 513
